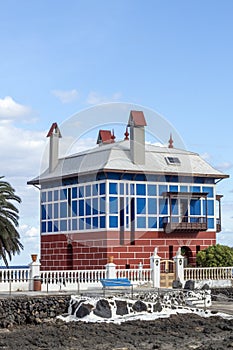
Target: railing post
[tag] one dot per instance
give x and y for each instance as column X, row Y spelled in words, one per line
column 110, row 269
column 179, row 265
column 140, row 271
column 34, row 272
column 155, row 267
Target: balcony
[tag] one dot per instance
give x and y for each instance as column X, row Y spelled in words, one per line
column 176, row 224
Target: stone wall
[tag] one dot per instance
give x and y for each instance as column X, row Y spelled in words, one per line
column 22, row 310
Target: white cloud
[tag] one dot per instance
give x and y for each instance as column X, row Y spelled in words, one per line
column 10, row 109
column 66, row 96
column 31, row 234
column 95, row 98
column 20, row 150
column 224, row 166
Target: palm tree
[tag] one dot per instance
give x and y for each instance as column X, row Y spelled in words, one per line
column 9, row 236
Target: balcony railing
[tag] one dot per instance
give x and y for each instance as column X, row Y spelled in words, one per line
column 184, row 224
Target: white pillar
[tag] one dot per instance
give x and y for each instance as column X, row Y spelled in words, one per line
column 110, row 270
column 155, row 266
column 140, row 270
column 179, row 265
column 34, row 272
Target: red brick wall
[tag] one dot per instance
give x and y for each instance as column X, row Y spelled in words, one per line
column 94, row 252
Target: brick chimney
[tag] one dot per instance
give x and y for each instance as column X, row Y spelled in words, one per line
column 54, row 134
column 137, row 123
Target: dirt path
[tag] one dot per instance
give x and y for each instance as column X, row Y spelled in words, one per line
column 177, row 332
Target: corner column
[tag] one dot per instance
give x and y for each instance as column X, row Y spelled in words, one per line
column 155, row 268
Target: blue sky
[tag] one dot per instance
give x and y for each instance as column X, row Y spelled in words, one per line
column 60, row 57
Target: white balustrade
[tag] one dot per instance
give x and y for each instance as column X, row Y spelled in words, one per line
column 208, row 273
column 135, row 275
column 13, row 279
column 71, row 279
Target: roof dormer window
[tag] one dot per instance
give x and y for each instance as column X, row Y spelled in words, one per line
column 172, row 160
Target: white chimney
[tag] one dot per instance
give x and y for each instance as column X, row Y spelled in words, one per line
column 137, row 123
column 54, row 134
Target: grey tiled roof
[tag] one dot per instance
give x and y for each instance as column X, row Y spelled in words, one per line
column 116, row 157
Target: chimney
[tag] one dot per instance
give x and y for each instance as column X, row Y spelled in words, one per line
column 54, row 134
column 105, row 137
column 137, row 123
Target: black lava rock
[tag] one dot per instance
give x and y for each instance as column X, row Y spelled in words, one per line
column 103, row 309
column 139, row 306
column 121, row 307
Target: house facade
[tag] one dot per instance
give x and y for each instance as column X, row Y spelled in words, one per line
column 122, row 199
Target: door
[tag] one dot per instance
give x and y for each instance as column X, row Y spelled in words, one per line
column 167, row 273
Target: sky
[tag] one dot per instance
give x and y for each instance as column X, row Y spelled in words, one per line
column 58, row 58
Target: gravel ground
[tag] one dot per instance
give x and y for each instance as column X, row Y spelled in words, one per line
column 187, row 331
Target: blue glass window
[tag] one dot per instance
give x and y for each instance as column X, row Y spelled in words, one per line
column 173, row 188
column 74, row 192
column 127, row 222
column 113, row 188
column 113, row 221
column 121, row 188
column 81, row 207
column 195, row 207
column 74, row 208
column 141, row 205
column 63, row 225
column 210, row 207
column 127, row 205
column 63, row 209
column 152, row 222
column 50, row 215
column 131, row 189
column 95, row 190
column 88, row 191
column 163, row 206
column 50, row 197
column 95, row 222
column 43, row 227
column 209, row 190
column 88, row 223
column 43, row 212
column 141, row 189
column 43, row 197
column 175, row 207
column 161, row 222
column 88, row 206
column 152, row 190
column 113, row 205
column 55, row 195
column 152, row 205
column 95, row 206
column 195, row 189
column 55, row 209
column 141, row 222
column 81, row 192
column 55, row 226
column 183, row 188
column 102, row 221
column 74, row 224
column 81, row 224
column 50, row 226
column 102, row 205
column 102, row 188
column 210, row 223
column 162, row 188
column 63, row 194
